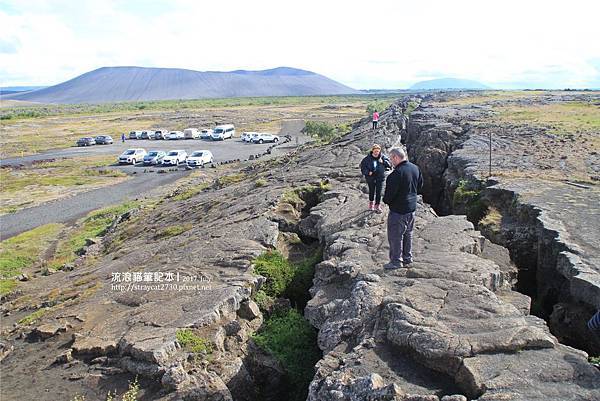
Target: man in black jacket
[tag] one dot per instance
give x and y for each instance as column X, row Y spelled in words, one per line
column 401, row 189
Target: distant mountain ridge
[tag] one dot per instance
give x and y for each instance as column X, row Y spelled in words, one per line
column 448, row 83
column 114, row 84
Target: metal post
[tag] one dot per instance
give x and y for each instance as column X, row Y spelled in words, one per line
column 490, row 140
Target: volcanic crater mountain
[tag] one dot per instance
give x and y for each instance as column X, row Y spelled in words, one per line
column 114, row 84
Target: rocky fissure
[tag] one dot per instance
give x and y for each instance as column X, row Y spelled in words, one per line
column 450, row 328
column 451, row 145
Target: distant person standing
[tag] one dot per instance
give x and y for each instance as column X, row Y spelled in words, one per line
column 123, row 137
column 401, row 189
column 375, row 119
column 373, row 167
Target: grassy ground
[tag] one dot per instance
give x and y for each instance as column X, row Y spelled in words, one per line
column 22, row 251
column 41, row 182
column 51, row 246
column 93, row 225
column 491, row 96
column 560, row 118
column 14, row 111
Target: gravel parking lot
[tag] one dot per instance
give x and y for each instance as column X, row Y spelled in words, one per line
column 71, row 208
column 222, row 150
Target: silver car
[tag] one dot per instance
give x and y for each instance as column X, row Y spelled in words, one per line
column 154, row 157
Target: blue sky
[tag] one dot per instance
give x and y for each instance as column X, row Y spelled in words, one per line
column 385, row 44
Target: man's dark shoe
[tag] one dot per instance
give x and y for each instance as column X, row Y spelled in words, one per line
column 392, row 266
column 406, row 262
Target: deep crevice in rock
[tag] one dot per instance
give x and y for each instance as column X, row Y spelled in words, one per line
column 451, row 188
column 302, row 250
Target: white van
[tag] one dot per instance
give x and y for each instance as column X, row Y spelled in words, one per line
column 191, row 133
column 222, row 132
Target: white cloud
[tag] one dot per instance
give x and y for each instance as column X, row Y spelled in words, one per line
column 365, row 45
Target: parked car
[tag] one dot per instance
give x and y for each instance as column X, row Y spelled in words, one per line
column 206, row 133
column 265, row 137
column 104, row 140
column 253, row 136
column 174, row 157
column 132, row 156
column 191, row 133
column 222, row 132
column 199, row 158
column 246, row 136
column 160, row 134
column 174, row 135
column 147, row 135
column 135, row 135
column 154, row 157
column 87, row 141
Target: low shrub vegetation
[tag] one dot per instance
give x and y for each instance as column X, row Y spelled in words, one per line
column 32, row 317
column 286, row 279
column 325, row 132
column 378, row 105
column 22, row 251
column 492, row 220
column 191, row 342
column 93, row 225
column 173, row 231
column 467, row 196
column 293, row 342
column 190, row 192
column 278, row 271
column 230, row 179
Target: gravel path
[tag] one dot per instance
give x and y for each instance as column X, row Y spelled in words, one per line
column 69, row 209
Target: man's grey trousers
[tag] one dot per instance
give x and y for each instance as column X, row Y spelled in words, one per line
column 400, row 232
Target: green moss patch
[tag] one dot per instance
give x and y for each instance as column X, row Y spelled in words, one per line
column 192, row 342
column 293, row 342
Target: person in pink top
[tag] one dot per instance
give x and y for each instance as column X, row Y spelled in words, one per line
column 375, row 119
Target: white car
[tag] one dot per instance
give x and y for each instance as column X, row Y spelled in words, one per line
column 191, row 133
column 174, row 157
column 206, row 133
column 199, row 158
column 174, row 135
column 265, row 137
column 132, row 156
column 222, row 132
column 252, row 136
column 247, row 136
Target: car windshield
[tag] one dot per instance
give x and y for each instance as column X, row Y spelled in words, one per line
column 152, row 154
column 173, row 133
column 254, row 134
column 129, row 152
column 173, row 153
column 218, row 131
column 197, row 154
